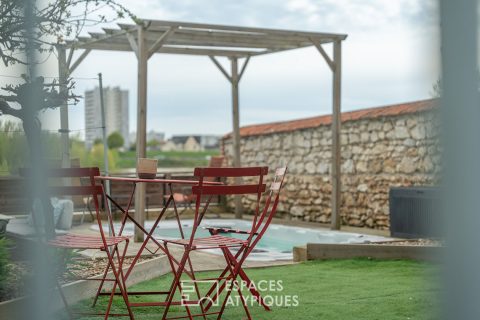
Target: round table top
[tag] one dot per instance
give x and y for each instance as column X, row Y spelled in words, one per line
column 155, row 180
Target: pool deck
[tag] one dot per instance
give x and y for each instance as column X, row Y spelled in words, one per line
column 204, row 260
column 208, row 261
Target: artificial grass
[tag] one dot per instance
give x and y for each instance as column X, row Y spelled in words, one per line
column 335, row 290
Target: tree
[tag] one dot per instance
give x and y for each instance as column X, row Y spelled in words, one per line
column 51, row 22
column 115, row 140
column 153, row 144
column 28, row 30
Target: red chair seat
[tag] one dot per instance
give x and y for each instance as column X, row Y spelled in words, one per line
column 75, row 241
column 212, row 242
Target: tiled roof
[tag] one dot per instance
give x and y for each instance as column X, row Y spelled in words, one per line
column 377, row 112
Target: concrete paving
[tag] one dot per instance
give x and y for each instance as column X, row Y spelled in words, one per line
column 201, row 260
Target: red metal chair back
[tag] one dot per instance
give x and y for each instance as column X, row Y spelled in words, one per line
column 238, row 188
column 269, row 210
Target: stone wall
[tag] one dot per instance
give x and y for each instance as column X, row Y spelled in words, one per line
column 377, row 153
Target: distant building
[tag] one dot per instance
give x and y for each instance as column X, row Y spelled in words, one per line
column 116, row 114
column 209, row 142
column 155, row 135
column 169, row 146
column 191, row 143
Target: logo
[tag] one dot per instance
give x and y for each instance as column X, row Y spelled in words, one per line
column 189, row 293
column 269, row 291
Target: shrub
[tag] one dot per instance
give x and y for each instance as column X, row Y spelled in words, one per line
column 115, row 140
column 4, row 270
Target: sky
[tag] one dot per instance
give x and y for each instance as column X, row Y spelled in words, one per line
column 391, row 55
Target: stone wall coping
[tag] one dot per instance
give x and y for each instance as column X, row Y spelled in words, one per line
column 312, row 122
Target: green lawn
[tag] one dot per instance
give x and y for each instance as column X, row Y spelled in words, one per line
column 334, row 290
column 168, row 159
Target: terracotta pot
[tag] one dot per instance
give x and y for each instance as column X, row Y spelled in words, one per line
column 147, row 168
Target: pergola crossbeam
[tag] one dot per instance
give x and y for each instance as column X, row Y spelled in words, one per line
column 79, row 60
column 205, row 39
column 244, row 66
column 70, row 57
column 132, row 42
column 221, row 68
column 244, row 30
column 325, row 56
column 158, row 44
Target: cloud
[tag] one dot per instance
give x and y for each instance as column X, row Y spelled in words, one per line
column 360, row 14
column 390, row 55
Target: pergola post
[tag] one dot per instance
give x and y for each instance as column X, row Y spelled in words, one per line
column 142, row 57
column 62, row 80
column 336, row 141
column 236, row 130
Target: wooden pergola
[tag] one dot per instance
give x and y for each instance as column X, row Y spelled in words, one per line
column 238, row 44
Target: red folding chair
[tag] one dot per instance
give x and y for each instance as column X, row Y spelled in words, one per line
column 185, row 198
column 215, row 241
column 259, row 227
column 108, row 244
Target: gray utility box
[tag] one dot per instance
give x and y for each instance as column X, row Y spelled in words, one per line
column 414, row 212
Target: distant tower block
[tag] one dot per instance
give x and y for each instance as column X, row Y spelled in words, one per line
column 116, row 114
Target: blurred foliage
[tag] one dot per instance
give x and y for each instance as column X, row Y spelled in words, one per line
column 169, row 159
column 115, row 140
column 14, row 151
column 4, row 271
column 95, row 157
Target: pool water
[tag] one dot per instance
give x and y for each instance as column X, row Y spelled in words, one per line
column 276, row 244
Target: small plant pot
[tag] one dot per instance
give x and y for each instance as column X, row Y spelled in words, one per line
column 147, row 168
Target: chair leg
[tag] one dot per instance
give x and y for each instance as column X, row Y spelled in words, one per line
column 196, row 286
column 100, row 287
column 64, row 300
column 245, row 278
column 177, row 217
column 123, row 279
column 244, row 303
column 119, row 279
column 250, row 285
column 187, row 308
column 238, row 265
column 176, row 281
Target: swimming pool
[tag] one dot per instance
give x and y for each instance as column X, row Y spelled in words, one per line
column 276, row 244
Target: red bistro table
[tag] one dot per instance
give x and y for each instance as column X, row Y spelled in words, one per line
column 126, row 215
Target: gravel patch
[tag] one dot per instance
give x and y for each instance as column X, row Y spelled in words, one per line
column 413, row 242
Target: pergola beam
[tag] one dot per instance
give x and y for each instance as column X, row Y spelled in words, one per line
column 246, row 30
column 70, row 57
column 220, row 67
column 206, row 39
column 232, row 40
column 244, row 66
column 133, row 43
column 325, row 56
column 120, row 46
column 160, row 41
column 79, row 60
